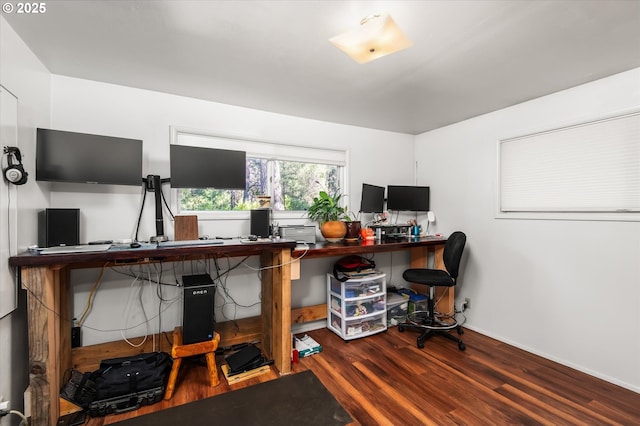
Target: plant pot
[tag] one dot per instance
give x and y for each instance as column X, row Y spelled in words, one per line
column 333, row 231
column 353, row 230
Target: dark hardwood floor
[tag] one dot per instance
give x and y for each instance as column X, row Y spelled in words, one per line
column 385, row 380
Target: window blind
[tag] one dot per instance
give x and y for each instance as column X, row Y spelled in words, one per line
column 260, row 149
column 586, row 167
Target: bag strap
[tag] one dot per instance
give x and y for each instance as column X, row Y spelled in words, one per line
column 336, row 274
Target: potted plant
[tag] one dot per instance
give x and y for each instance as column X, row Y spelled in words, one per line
column 353, row 227
column 327, row 211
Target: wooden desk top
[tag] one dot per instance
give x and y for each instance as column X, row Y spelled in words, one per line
column 143, row 254
column 227, row 248
column 344, row 248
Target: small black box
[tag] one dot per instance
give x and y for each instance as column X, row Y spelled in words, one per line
column 76, row 340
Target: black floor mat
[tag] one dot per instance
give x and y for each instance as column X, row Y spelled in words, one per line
column 295, row 399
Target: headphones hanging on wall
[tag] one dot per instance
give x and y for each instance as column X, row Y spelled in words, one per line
column 14, row 173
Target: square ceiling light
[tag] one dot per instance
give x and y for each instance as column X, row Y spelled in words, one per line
column 377, row 36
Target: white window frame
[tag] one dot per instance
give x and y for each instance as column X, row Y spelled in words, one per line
column 257, row 148
column 630, row 145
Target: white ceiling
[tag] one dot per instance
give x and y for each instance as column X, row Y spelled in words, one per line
column 468, row 57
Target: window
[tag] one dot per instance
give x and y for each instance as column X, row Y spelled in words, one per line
column 584, row 169
column 290, row 175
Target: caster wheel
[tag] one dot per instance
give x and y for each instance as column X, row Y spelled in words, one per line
column 400, row 328
column 461, row 346
column 420, row 345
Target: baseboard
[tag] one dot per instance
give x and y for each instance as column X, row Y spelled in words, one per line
column 308, row 326
column 564, row 362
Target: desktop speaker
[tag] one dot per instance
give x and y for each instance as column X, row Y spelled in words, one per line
column 198, row 318
column 58, row 227
column 186, row 227
column 261, row 222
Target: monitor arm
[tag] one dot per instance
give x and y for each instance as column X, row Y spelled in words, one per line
column 153, row 184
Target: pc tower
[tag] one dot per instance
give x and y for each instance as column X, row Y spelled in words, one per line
column 58, row 227
column 198, row 317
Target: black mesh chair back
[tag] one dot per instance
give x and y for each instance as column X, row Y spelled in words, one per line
column 453, row 249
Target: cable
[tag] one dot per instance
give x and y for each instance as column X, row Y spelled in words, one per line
column 166, row 205
column 91, row 296
column 293, row 259
column 9, row 220
column 144, row 197
column 22, row 416
column 125, row 315
column 70, row 321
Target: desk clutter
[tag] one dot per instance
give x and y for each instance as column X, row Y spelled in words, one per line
column 245, row 364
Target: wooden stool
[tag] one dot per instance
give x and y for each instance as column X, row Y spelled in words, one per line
column 179, row 351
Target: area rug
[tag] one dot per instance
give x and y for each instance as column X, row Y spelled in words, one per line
column 297, row 399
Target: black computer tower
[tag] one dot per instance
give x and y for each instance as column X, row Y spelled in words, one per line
column 58, row 227
column 198, row 318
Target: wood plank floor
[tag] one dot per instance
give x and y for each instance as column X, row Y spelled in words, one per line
column 385, row 380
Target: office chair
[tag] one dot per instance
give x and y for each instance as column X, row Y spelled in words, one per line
column 429, row 322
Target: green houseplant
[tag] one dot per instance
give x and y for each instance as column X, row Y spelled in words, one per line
column 327, row 211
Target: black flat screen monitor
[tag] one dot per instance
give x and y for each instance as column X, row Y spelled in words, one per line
column 196, row 167
column 372, row 199
column 83, row 158
column 408, row 198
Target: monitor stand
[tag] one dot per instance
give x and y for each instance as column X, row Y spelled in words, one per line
column 154, row 183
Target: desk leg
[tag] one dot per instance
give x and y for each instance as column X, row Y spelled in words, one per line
column 276, row 308
column 49, row 339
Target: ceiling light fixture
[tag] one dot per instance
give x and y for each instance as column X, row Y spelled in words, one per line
column 377, row 36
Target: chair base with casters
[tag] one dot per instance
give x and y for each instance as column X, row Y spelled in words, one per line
column 430, row 324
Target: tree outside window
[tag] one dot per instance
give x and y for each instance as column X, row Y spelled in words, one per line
column 290, row 184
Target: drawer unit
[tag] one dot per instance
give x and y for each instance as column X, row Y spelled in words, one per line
column 357, row 307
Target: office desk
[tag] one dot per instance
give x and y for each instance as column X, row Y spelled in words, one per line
column 46, row 279
column 420, row 249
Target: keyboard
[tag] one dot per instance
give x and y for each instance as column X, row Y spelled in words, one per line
column 85, row 248
column 258, row 241
column 188, row 243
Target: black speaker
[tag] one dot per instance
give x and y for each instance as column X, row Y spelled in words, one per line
column 58, row 227
column 198, row 318
column 261, row 222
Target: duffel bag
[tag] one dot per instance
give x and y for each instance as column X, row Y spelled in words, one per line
column 126, row 375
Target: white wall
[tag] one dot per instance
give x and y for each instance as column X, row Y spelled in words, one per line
column 566, row 290
column 25, row 76
column 110, row 212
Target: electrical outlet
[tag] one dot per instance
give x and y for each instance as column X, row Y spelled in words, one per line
column 467, row 304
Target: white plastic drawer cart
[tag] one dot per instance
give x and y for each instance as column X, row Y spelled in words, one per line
column 357, row 307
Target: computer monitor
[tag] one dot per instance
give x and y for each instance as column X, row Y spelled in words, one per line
column 372, row 199
column 85, row 158
column 196, row 167
column 408, row 198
